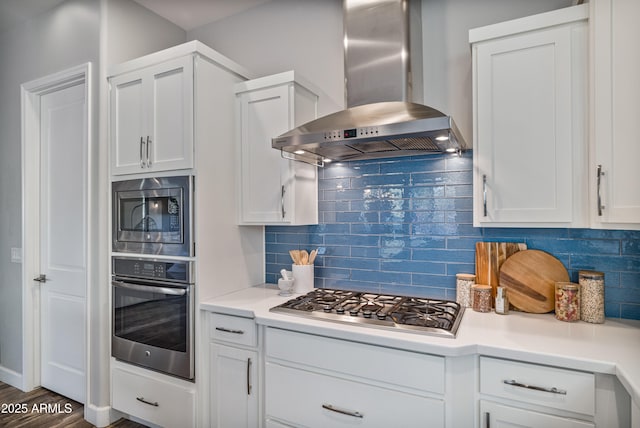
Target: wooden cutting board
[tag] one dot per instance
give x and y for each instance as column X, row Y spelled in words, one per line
column 530, row 277
column 489, row 257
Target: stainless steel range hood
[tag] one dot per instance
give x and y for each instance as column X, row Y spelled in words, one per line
column 383, row 74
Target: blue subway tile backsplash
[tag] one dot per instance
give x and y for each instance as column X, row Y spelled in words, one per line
column 405, row 226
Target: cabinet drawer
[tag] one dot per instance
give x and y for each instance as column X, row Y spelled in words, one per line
column 376, row 363
column 534, row 384
column 165, row 404
column 232, row 329
column 301, row 398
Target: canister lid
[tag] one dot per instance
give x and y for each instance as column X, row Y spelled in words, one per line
column 591, row 274
column 468, row 276
column 481, row 287
column 567, row 285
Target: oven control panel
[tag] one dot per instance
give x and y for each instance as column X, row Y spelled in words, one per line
column 173, row 270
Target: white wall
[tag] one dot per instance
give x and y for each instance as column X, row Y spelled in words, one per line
column 282, row 35
column 62, row 38
column 78, row 31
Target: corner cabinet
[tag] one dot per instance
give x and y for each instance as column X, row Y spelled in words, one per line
column 615, row 114
column 515, row 393
column 529, row 115
column 151, row 118
column 274, row 190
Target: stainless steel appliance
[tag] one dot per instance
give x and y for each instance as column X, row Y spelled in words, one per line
column 153, row 216
column 383, row 86
column 412, row 314
column 153, row 314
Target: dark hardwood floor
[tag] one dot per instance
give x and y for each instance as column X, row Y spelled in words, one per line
column 43, row 408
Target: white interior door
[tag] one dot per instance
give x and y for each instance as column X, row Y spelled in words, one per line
column 63, row 241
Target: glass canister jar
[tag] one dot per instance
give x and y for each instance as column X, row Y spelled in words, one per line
column 481, row 298
column 464, row 282
column 567, row 301
column 592, row 296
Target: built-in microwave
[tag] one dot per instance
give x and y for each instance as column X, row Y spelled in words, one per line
column 153, row 216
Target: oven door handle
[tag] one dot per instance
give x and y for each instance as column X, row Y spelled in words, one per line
column 150, row 289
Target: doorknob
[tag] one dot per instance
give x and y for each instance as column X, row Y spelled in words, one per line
column 41, row 278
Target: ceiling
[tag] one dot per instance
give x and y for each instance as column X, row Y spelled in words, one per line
column 187, row 14
column 190, row 14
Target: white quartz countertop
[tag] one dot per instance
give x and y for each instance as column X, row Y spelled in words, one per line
column 611, row 348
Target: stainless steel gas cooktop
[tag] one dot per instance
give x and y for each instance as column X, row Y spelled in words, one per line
column 411, row 314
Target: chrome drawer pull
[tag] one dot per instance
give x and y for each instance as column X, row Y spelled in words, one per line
column 142, row 400
column 228, row 330
column 342, row 411
column 552, row 390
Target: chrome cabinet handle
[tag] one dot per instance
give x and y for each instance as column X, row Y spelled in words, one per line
column 142, row 400
column 229, row 330
column 282, row 191
column 487, row 420
column 599, row 174
column 148, row 149
column 141, row 152
column 342, row 411
column 248, row 376
column 484, row 193
column 41, row 278
column 552, row 390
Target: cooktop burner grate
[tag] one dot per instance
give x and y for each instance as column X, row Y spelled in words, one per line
column 414, row 314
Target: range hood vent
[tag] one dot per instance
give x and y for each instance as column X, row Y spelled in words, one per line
column 382, row 61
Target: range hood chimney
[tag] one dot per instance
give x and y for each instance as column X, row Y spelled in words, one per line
column 383, row 78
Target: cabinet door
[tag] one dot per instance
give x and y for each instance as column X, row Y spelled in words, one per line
column 128, row 123
column 494, row 415
column 170, row 89
column 234, row 387
column 151, row 119
column 265, row 194
column 615, row 114
column 529, row 138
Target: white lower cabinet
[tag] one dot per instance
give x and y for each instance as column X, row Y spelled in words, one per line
column 233, row 372
column 494, row 415
column 306, row 398
column 522, row 394
column 319, row 381
column 234, row 395
column 153, row 397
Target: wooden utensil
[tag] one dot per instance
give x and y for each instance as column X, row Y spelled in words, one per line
column 529, row 277
column 489, row 257
column 295, row 256
column 312, row 256
column 304, row 257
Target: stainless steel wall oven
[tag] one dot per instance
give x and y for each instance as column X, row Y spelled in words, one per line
column 153, row 314
column 153, row 216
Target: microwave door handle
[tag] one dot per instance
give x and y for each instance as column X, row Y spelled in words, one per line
column 150, row 289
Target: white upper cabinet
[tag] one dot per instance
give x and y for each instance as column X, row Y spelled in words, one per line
column 615, row 115
column 529, row 109
column 274, row 190
column 152, row 118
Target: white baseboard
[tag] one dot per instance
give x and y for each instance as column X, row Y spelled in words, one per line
column 98, row 416
column 10, row 377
